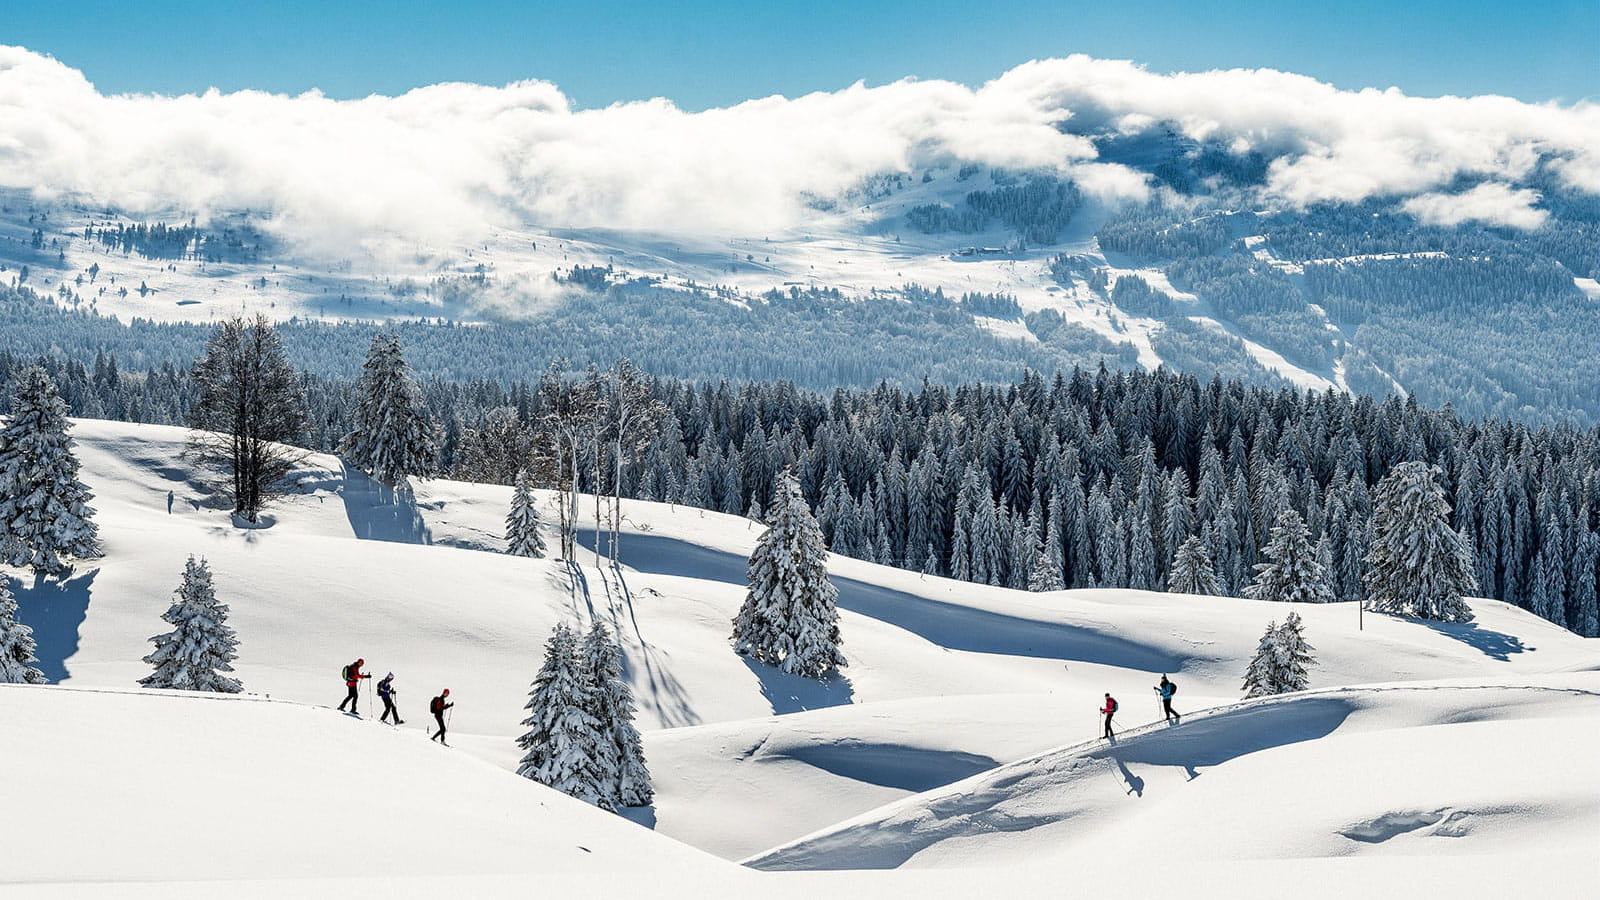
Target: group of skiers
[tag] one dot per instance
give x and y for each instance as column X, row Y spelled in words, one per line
column 387, row 692
column 437, row 706
column 1164, row 691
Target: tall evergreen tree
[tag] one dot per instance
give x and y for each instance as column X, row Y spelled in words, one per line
column 522, row 523
column 1261, row 677
column 201, row 645
column 1293, row 654
column 1192, row 572
column 612, row 707
column 393, row 439
column 44, row 508
column 566, row 748
column 789, row 618
column 1418, row 565
column 1293, row 574
column 16, row 643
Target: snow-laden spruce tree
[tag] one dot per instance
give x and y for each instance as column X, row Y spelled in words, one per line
column 789, row 618
column 16, row 643
column 1418, row 565
column 1279, row 665
column 564, row 744
column 522, row 523
column 393, row 439
column 1192, row 571
column 1261, row 678
column 1045, row 576
column 1293, row 655
column 44, row 508
column 200, row 646
column 612, row 707
column 1292, row 574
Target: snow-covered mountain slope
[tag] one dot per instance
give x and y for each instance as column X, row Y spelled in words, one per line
column 129, row 785
column 1441, row 768
column 945, row 678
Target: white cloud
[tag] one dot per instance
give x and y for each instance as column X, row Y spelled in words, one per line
column 1491, row 203
column 441, row 163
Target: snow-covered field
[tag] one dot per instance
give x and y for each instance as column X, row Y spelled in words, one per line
column 1459, row 757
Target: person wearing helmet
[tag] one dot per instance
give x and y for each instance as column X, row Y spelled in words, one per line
column 437, row 706
column 386, row 693
column 1109, row 710
column 352, row 680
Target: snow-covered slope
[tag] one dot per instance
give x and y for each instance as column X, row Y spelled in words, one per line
column 945, row 680
column 1433, row 768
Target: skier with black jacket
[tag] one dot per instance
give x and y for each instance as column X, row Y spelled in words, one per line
column 386, row 693
column 1166, row 689
column 352, row 680
column 437, row 706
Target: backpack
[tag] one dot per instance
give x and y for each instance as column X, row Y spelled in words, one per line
column 344, row 674
column 1112, row 704
column 436, row 705
column 1172, row 689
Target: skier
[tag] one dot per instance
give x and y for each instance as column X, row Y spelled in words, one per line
column 1109, row 710
column 386, row 693
column 352, row 680
column 1166, row 689
column 437, row 706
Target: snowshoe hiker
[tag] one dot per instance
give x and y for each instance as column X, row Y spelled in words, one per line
column 1109, row 710
column 352, row 680
column 437, row 706
column 386, row 693
column 1166, row 689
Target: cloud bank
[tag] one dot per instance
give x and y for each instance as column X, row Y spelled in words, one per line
column 444, row 162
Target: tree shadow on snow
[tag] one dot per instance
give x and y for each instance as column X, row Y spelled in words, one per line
column 949, row 625
column 665, row 692
column 792, row 693
column 378, row 512
column 55, row 610
column 1496, row 645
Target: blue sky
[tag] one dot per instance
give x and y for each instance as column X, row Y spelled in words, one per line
column 702, row 53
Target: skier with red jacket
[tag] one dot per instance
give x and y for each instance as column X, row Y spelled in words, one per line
column 352, row 680
column 1109, row 710
column 437, row 706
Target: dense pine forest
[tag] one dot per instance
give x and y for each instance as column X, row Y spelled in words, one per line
column 1088, row 478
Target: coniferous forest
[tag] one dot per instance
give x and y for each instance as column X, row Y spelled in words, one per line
column 1089, row 477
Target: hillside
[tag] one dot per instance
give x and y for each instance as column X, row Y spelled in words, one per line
column 946, row 680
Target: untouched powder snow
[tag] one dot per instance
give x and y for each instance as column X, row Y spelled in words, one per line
column 945, row 681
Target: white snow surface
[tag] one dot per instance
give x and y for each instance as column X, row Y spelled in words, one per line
column 1455, row 753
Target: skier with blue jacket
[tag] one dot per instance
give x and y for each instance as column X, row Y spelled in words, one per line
column 1166, row 689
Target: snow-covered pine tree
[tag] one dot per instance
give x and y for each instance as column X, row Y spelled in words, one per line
column 1192, row 572
column 200, row 646
column 1045, row 576
column 612, row 707
column 789, row 618
column 16, row 643
column 1261, row 678
column 1418, row 565
column 1292, row 574
column 393, row 439
column 564, row 744
column 44, row 508
column 1293, row 654
column 522, row 523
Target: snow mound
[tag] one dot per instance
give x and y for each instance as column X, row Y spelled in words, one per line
column 1419, row 769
